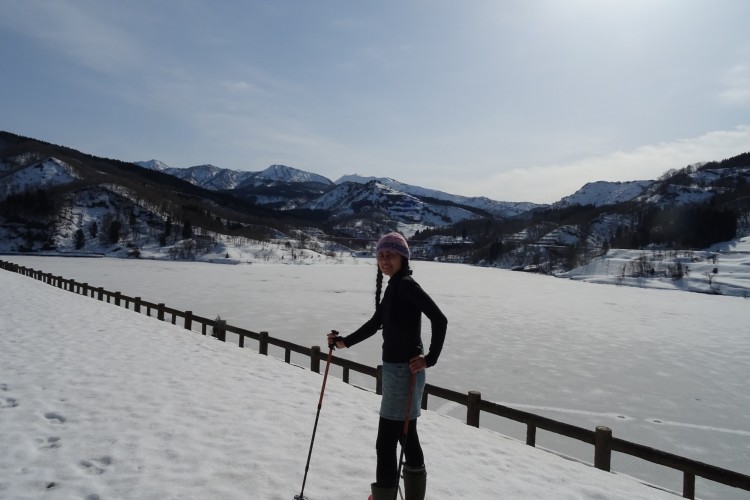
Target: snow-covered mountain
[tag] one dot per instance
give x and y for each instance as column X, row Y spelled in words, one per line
column 218, row 179
column 285, row 188
column 697, row 185
column 602, row 193
column 224, row 179
column 205, row 176
column 45, row 174
column 496, row 208
column 116, row 203
column 282, row 173
column 157, row 165
column 354, row 199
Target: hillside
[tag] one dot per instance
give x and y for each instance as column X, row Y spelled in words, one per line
column 53, row 198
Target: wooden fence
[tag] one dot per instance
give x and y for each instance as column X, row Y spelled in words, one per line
column 601, row 438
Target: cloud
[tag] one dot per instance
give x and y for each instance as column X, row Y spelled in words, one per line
column 78, row 32
column 737, row 91
column 549, row 183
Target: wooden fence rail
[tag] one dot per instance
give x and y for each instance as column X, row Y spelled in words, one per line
column 601, row 438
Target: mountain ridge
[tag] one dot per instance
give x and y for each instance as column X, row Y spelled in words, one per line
column 54, row 197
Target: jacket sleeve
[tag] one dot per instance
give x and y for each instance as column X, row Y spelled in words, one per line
column 438, row 321
column 365, row 331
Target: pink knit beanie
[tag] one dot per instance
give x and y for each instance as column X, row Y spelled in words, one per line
column 395, row 243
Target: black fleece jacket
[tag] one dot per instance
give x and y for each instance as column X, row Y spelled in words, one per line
column 400, row 317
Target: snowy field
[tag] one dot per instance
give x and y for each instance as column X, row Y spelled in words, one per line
column 97, row 402
column 665, row 368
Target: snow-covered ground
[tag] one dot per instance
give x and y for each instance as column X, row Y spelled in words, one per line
column 722, row 269
column 97, row 402
column 661, row 367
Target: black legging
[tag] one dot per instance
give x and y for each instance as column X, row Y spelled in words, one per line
column 391, row 432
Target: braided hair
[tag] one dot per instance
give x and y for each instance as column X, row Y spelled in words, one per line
column 378, row 287
column 379, row 280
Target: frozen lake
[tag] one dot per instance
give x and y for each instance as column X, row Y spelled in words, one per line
column 667, row 369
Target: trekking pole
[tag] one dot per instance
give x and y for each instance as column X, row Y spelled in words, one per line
column 331, row 347
column 406, row 430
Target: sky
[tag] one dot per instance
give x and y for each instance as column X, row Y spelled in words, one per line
column 522, row 100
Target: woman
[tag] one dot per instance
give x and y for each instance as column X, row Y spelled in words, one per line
column 399, row 315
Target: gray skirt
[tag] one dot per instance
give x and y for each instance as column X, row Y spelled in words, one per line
column 396, row 387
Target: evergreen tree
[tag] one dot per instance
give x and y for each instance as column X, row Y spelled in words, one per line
column 187, row 230
column 114, row 231
column 80, row 240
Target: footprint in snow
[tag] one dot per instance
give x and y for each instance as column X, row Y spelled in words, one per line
column 49, row 444
column 54, row 418
column 8, row 403
column 96, row 466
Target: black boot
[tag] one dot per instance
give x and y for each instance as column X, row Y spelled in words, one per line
column 379, row 493
column 415, row 482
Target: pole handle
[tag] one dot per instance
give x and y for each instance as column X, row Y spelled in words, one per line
column 332, row 346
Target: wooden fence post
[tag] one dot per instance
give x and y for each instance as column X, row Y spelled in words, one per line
column 160, row 312
column 472, row 408
column 220, row 330
column 263, row 343
column 379, row 380
column 117, row 298
column 603, row 448
column 188, row 320
column 137, row 304
column 315, row 359
column 688, row 485
column 101, row 293
column 531, row 434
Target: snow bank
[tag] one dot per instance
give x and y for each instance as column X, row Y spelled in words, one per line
column 99, row 402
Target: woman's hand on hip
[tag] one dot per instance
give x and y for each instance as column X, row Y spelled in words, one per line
column 417, row 364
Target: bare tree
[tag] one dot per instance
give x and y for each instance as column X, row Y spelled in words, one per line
column 711, row 279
